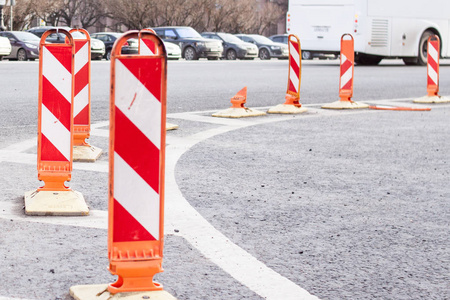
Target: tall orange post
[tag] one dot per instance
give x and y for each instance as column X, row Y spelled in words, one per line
column 433, row 54
column 347, row 62
column 82, row 151
column 292, row 104
column 55, row 131
column 137, row 155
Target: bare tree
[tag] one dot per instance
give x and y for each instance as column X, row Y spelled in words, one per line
column 47, row 10
column 135, row 14
column 82, row 12
column 21, row 14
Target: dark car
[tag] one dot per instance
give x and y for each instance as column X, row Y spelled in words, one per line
column 233, row 47
column 108, row 38
column 193, row 45
column 267, row 48
column 24, row 45
column 97, row 47
column 280, row 38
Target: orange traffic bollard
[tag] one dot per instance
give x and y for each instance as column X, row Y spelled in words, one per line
column 137, row 156
column 82, row 98
column 292, row 104
column 55, row 132
column 347, row 63
column 238, row 109
column 433, row 54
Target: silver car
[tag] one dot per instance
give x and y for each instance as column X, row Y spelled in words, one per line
column 5, row 47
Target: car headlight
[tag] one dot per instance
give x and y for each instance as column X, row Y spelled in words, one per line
column 32, row 46
column 200, row 44
column 275, row 47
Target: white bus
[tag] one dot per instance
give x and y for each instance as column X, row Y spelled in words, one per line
column 381, row 28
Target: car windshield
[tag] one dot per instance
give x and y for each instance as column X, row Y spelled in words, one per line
column 261, row 39
column 229, row 38
column 26, row 36
column 188, row 33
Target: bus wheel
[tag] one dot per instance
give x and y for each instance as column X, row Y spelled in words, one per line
column 368, row 60
column 422, row 56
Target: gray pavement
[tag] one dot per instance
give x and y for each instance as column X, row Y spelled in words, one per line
column 342, row 204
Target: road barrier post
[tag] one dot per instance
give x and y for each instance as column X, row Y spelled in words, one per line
column 55, row 132
column 136, row 173
column 82, row 151
column 292, row 104
column 238, row 109
column 433, row 54
column 347, row 62
column 137, row 156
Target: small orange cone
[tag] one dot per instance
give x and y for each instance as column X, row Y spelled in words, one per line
column 238, row 109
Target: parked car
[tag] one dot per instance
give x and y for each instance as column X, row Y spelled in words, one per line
column 267, row 48
column 5, row 47
column 279, row 38
column 24, row 45
column 193, row 45
column 108, row 38
column 306, row 55
column 173, row 50
column 97, row 46
column 233, row 47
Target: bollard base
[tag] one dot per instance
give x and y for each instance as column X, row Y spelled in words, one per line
column 86, row 153
column 432, row 99
column 345, row 105
column 55, row 203
column 234, row 112
column 100, row 292
column 286, row 109
column 170, row 126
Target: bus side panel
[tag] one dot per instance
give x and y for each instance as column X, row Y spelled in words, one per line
column 406, row 35
column 320, row 27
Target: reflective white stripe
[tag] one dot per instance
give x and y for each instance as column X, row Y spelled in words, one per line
column 145, row 50
column 432, row 52
column 136, row 196
column 432, row 74
column 346, row 77
column 294, row 79
column 138, row 104
column 294, row 53
column 81, row 57
column 343, row 58
column 55, row 132
column 58, row 76
column 81, row 100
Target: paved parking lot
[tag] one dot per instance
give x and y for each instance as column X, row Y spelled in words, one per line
column 327, row 204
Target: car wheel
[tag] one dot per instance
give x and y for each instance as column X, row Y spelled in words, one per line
column 306, row 55
column 21, row 55
column 264, row 54
column 231, row 54
column 108, row 54
column 189, row 54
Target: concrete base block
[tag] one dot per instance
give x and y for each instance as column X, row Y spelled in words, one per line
column 345, row 105
column 432, row 99
column 100, row 292
column 86, row 153
column 233, row 112
column 55, row 203
column 170, row 126
column 286, row 109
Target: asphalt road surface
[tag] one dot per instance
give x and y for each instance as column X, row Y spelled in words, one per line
column 326, row 204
